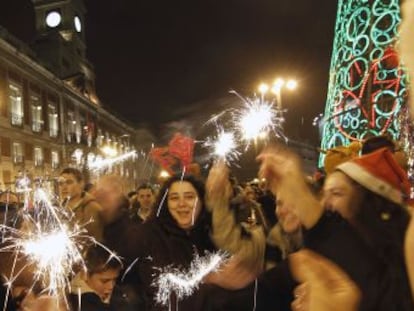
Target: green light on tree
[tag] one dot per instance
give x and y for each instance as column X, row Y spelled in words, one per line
column 367, row 87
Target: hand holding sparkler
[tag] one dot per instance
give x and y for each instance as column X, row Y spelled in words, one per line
column 218, row 185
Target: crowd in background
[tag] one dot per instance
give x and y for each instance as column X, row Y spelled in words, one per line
column 338, row 242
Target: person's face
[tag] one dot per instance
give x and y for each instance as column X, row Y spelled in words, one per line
column 184, row 204
column 103, row 283
column 287, row 217
column 69, row 186
column 340, row 194
column 146, row 198
column 249, row 193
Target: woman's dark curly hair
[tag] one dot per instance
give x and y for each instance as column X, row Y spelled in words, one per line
column 161, row 207
column 383, row 225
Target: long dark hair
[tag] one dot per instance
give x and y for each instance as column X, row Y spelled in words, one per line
column 383, row 225
column 161, row 207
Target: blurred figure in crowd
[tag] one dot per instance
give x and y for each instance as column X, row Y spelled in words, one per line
column 367, row 197
column 84, row 206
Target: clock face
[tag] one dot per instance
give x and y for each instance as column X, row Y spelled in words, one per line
column 78, row 24
column 53, row 19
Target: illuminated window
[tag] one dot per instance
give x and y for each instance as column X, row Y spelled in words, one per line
column 37, row 117
column 38, row 156
column 55, row 159
column 53, row 121
column 16, row 104
column 71, row 126
column 17, row 153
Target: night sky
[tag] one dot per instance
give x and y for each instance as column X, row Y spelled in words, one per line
column 155, row 60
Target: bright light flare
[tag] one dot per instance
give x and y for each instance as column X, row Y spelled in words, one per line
column 224, row 145
column 184, row 283
column 164, row 174
column 291, row 85
column 109, row 151
column 48, row 243
column 100, row 163
column 263, row 88
column 54, row 255
column 255, row 119
column 278, row 84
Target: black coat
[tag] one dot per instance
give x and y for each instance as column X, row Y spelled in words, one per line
column 91, row 302
column 336, row 239
column 160, row 243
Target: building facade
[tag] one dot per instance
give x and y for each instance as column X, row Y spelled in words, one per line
column 50, row 116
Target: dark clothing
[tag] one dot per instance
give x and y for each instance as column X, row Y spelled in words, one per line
column 117, row 237
column 91, row 302
column 268, row 203
column 133, row 213
column 336, row 239
column 160, row 243
column 117, row 234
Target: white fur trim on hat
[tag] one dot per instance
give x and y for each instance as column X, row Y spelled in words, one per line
column 371, row 182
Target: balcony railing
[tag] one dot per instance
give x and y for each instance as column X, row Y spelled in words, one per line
column 37, row 126
column 39, row 162
column 17, row 159
column 53, row 132
column 16, row 119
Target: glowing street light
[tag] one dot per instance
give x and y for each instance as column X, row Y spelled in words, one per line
column 164, row 174
column 263, row 88
column 277, row 85
column 291, row 85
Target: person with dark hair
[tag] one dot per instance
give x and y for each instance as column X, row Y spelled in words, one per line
column 144, row 203
column 94, row 288
column 177, row 231
column 374, row 143
column 409, row 254
column 84, row 206
column 118, row 228
column 363, row 231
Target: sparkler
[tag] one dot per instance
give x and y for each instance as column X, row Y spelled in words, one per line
column 100, row 164
column 49, row 244
column 223, row 145
column 184, row 283
column 257, row 118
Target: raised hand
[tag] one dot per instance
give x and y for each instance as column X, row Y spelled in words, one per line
column 324, row 286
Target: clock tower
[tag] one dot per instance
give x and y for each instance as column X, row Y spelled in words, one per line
column 60, row 42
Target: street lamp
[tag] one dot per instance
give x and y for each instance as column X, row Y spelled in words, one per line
column 278, row 85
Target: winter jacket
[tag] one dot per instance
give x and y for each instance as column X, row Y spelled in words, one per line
column 334, row 238
column 248, row 242
column 160, row 243
column 90, row 301
column 87, row 212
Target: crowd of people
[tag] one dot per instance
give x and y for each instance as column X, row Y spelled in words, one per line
column 344, row 242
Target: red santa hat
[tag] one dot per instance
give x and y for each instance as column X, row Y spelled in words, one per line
column 380, row 173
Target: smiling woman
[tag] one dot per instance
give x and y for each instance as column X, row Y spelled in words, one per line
column 176, row 232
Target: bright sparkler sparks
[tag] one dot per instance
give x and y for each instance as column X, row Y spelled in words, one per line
column 48, row 244
column 100, row 164
column 257, row 119
column 224, row 145
column 184, row 283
